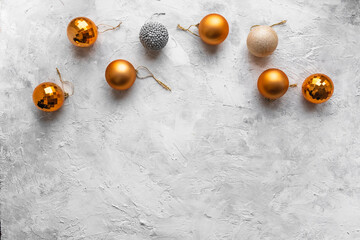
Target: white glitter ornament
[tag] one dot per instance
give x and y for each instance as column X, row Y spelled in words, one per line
column 154, row 36
column 262, row 40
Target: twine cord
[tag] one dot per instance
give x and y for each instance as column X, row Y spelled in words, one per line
column 109, row 27
column 188, row 29
column 293, row 85
column 155, row 14
column 65, row 82
column 279, row 23
column 152, row 75
column 158, row 14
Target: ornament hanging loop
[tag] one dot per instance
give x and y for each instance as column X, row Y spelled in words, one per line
column 155, row 14
column 151, row 75
column 110, row 28
column 188, row 29
column 279, row 23
column 158, row 14
column 64, row 83
column 293, row 85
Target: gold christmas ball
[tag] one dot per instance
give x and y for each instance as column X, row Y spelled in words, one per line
column 48, row 97
column 120, row 74
column 273, row 83
column 318, row 88
column 82, row 32
column 213, row 29
column 262, row 41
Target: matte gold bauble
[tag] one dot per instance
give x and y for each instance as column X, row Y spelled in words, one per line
column 82, row 32
column 317, row 88
column 262, row 41
column 48, row 97
column 213, row 29
column 273, row 83
column 120, row 74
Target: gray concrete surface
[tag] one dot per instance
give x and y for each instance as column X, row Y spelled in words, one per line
column 210, row 160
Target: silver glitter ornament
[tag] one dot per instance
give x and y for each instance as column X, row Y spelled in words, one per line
column 154, row 36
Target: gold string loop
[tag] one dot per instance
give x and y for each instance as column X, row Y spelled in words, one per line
column 157, row 14
column 279, row 23
column 188, row 29
column 152, row 75
column 110, row 28
column 65, row 82
column 293, row 85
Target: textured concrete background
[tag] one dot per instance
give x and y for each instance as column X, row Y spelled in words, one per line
column 210, row 160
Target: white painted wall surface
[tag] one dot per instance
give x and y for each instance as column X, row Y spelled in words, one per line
column 210, row 160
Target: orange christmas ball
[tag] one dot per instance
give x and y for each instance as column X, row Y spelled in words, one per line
column 317, row 88
column 120, row 74
column 48, row 97
column 213, row 29
column 82, row 32
column 273, row 83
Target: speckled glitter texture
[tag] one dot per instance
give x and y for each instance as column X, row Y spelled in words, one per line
column 318, row 88
column 48, row 97
column 153, row 36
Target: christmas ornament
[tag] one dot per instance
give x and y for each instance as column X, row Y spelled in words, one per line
column 154, row 36
column 317, row 88
column 49, row 96
column 121, row 75
column 273, row 83
column 213, row 29
column 82, row 32
column 262, row 40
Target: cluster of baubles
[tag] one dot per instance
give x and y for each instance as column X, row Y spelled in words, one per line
column 213, row 29
column 273, row 84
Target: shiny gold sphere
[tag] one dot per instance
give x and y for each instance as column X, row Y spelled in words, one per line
column 213, row 29
column 82, row 32
column 120, row 74
column 48, row 97
column 273, row 83
column 262, row 41
column 318, row 88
